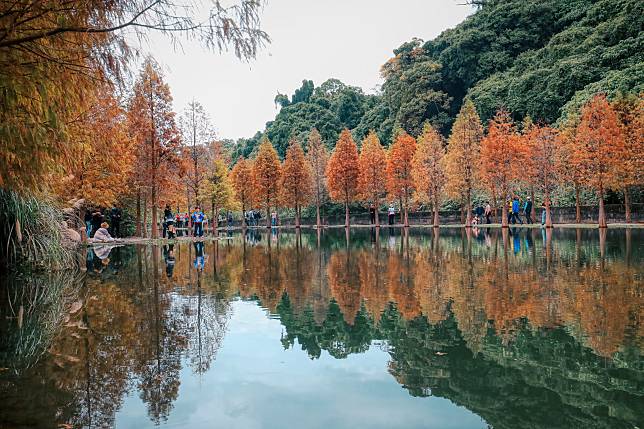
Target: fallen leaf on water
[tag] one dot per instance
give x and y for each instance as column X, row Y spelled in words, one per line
column 3, row 369
column 440, row 354
column 76, row 306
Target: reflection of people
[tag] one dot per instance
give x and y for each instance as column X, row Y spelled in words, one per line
column 102, row 260
column 169, row 259
column 200, row 261
column 103, row 234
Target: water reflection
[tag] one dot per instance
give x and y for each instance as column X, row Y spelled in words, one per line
column 526, row 328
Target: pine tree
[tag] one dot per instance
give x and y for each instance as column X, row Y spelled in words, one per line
column 463, row 156
column 428, row 168
column 296, row 183
column 266, row 177
column 372, row 177
column 400, row 182
column 342, row 172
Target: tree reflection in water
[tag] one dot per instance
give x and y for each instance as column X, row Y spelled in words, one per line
column 523, row 327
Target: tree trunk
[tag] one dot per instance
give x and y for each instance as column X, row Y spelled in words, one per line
column 317, row 214
column 346, row 213
column 244, row 225
column 548, row 216
column 602, row 213
column 533, row 209
column 138, row 213
column 504, row 216
column 375, row 212
column 577, row 206
column 468, row 215
column 494, row 205
column 297, row 216
column 406, row 222
column 268, row 215
column 436, row 218
column 155, row 229
column 145, row 216
column 627, row 204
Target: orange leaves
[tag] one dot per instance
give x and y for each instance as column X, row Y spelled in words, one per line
column 502, row 154
column 427, row 166
column 266, row 175
column 372, row 163
column 343, row 169
column 400, row 183
column 463, row 151
column 242, row 181
column 599, row 148
column 296, row 179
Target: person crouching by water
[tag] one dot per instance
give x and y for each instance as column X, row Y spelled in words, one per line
column 197, row 222
column 102, row 234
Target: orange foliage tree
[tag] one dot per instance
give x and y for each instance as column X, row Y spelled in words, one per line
column 568, row 171
column 296, row 183
column 266, row 177
column 428, row 169
column 463, row 155
column 371, row 179
column 152, row 123
column 101, row 159
column 400, row 182
column 502, row 157
column 342, row 172
column 541, row 144
column 318, row 157
column 630, row 111
column 242, row 181
column 600, row 148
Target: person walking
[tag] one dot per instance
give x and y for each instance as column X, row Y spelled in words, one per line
column 230, row 219
column 391, row 213
column 527, row 210
column 488, row 212
column 274, row 218
column 543, row 214
column 167, row 217
column 197, row 222
column 515, row 210
column 372, row 214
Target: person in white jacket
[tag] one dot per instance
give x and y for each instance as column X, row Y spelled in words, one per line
column 102, row 234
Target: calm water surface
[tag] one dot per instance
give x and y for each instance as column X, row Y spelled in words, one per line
column 458, row 329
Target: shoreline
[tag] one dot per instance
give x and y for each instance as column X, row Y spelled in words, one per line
column 223, row 237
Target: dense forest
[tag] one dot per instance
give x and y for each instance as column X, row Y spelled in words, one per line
column 536, row 58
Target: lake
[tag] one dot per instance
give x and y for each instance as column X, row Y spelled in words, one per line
column 389, row 329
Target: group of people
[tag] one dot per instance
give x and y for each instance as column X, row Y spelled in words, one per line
column 171, row 222
column 515, row 207
column 97, row 228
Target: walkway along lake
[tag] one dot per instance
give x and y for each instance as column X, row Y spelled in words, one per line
column 445, row 329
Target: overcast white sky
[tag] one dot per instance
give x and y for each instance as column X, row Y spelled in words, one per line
column 345, row 39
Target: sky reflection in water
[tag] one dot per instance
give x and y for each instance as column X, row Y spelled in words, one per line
column 509, row 329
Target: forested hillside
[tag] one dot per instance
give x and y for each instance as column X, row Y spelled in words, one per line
column 537, row 58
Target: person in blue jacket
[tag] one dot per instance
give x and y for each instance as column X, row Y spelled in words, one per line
column 515, row 211
column 197, row 222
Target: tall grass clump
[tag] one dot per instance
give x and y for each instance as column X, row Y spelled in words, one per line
column 30, row 233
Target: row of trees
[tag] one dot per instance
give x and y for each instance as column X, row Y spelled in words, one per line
column 601, row 148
